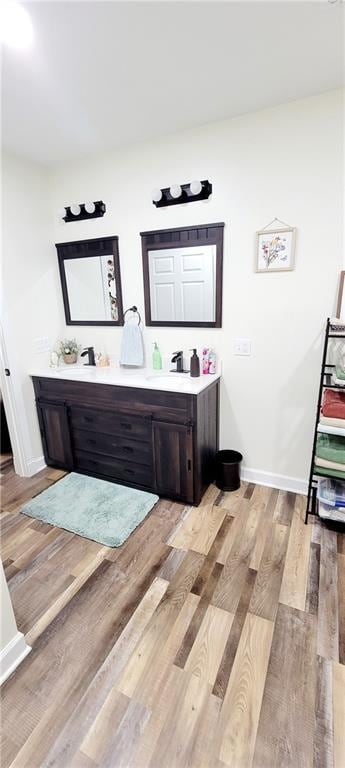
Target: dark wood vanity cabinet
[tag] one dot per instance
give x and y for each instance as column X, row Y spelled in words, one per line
column 159, row 441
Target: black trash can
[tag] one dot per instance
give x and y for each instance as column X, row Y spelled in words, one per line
column 228, row 465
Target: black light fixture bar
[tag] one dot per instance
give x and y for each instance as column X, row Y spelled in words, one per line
column 100, row 210
column 186, row 196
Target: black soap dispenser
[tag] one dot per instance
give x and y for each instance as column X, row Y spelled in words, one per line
column 194, row 365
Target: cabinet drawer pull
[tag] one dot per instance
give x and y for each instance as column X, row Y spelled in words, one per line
column 90, row 441
column 126, row 448
column 90, row 419
column 125, row 425
column 129, row 471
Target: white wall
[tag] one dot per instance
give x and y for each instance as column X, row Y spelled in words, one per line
column 31, row 304
column 284, row 162
column 13, row 648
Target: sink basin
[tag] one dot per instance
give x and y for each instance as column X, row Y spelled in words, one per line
column 174, row 378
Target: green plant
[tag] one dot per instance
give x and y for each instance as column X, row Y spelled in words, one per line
column 69, row 347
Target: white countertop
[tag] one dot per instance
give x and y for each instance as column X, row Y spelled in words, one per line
column 143, row 378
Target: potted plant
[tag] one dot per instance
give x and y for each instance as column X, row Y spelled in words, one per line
column 69, row 350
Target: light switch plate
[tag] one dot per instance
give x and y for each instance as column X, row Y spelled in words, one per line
column 41, row 345
column 243, row 347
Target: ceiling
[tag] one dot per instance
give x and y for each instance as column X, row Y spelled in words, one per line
column 104, row 74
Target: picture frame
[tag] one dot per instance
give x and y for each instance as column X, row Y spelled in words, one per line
column 275, row 249
column 341, row 297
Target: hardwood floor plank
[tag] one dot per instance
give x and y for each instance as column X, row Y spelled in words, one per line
column 295, row 577
column 264, row 504
column 323, row 739
column 241, row 707
column 339, row 714
column 285, row 735
column 328, row 624
column 199, row 528
column 284, row 508
column 312, row 597
column 229, row 588
column 184, row 716
column 212, row 557
column 264, row 600
column 208, row 648
column 223, row 675
column 341, row 606
column 195, row 624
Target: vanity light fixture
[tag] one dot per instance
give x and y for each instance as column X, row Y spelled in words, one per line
column 80, row 211
column 182, row 193
column 175, row 191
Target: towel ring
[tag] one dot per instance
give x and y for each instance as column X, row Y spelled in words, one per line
column 135, row 310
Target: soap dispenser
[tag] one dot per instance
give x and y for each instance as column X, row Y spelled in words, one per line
column 156, row 358
column 194, row 365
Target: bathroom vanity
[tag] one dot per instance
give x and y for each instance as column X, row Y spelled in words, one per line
column 154, row 432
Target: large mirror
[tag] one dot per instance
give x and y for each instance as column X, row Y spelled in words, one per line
column 182, row 271
column 91, row 283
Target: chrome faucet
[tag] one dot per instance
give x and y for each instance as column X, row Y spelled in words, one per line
column 91, row 355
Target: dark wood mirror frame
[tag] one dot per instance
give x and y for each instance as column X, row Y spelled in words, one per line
column 78, row 249
column 204, row 234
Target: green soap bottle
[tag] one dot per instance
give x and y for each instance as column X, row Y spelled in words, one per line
column 156, row 358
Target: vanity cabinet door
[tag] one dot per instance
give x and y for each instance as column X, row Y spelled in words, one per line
column 173, row 460
column 53, row 419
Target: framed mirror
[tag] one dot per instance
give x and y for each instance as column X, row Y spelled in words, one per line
column 183, row 276
column 91, row 281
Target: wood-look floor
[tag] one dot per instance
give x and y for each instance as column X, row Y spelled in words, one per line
column 214, row 637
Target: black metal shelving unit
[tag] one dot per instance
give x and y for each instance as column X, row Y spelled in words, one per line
column 325, row 383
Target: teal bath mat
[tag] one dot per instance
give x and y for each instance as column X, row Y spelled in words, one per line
column 96, row 509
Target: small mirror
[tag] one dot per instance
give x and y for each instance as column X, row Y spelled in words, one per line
column 183, row 276
column 90, row 279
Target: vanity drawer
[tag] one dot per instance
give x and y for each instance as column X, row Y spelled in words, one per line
column 109, row 466
column 121, row 447
column 108, row 423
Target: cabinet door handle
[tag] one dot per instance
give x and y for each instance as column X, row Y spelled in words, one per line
column 125, row 425
column 90, row 441
column 89, row 419
column 189, row 465
column 126, row 448
column 129, row 471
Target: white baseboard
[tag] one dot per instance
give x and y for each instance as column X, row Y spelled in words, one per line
column 283, row 482
column 34, row 465
column 12, row 655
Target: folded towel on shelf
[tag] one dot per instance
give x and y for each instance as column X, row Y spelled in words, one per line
column 329, row 464
column 329, row 422
column 333, row 404
column 335, row 472
column 338, row 382
column 132, row 348
column 339, row 372
column 331, row 448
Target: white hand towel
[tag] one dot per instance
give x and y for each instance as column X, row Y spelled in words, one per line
column 132, row 348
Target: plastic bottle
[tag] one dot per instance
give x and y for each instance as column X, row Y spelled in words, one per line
column 156, row 358
column 205, row 360
column 212, row 362
column 194, row 365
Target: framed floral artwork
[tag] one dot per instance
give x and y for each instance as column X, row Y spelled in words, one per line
column 275, row 249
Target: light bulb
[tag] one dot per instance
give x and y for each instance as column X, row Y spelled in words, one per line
column 16, row 29
column 75, row 209
column 90, row 207
column 61, row 213
column 156, row 195
column 195, row 187
column 175, row 191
